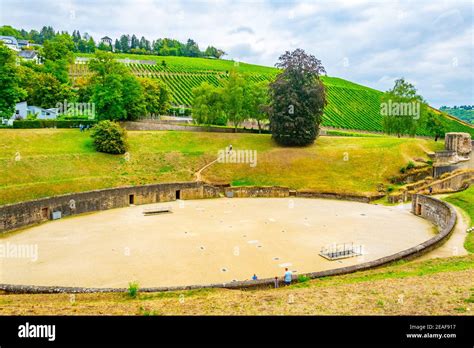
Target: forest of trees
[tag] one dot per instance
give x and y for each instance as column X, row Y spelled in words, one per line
column 463, row 112
column 115, row 91
column 85, row 43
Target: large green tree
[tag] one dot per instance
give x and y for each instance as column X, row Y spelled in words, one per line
column 403, row 109
column 45, row 90
column 117, row 94
column 233, row 94
column 297, row 99
column 436, row 124
column 256, row 102
column 208, row 105
column 10, row 90
column 57, row 54
column 156, row 96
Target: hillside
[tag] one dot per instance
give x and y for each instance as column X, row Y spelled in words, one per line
column 46, row 162
column 350, row 105
column 465, row 113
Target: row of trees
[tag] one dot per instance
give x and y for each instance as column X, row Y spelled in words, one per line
column 83, row 43
column 237, row 100
column 162, row 47
column 125, row 44
column 294, row 103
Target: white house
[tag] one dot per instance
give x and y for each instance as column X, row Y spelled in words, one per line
column 23, row 43
column 29, row 55
column 10, row 42
column 22, row 110
column 106, row 40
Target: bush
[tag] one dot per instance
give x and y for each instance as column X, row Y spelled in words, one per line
column 133, row 289
column 109, row 137
column 410, row 165
column 303, row 278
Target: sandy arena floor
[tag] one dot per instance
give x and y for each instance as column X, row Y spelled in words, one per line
column 206, row 241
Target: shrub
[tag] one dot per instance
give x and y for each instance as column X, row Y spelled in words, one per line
column 27, row 124
column 410, row 165
column 109, row 137
column 302, row 278
column 132, row 290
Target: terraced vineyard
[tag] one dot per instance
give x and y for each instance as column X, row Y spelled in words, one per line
column 350, row 106
column 182, row 81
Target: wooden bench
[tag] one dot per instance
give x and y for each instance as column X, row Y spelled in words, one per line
column 157, row 210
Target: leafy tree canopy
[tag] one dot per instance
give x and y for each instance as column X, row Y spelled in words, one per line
column 10, row 90
column 297, row 99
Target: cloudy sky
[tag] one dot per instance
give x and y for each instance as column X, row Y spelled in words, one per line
column 430, row 43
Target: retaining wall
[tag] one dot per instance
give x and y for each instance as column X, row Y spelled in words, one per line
column 147, row 126
column 256, row 191
column 457, row 181
column 14, row 216
column 338, row 196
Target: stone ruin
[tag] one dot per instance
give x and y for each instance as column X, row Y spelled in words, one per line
column 457, row 154
column 458, row 142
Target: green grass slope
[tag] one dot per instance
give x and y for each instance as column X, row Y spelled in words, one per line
column 467, row 115
column 441, row 286
column 37, row 163
column 350, row 105
column 465, row 201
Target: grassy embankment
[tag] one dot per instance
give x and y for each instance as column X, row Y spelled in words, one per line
column 55, row 161
column 434, row 287
column 465, row 201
